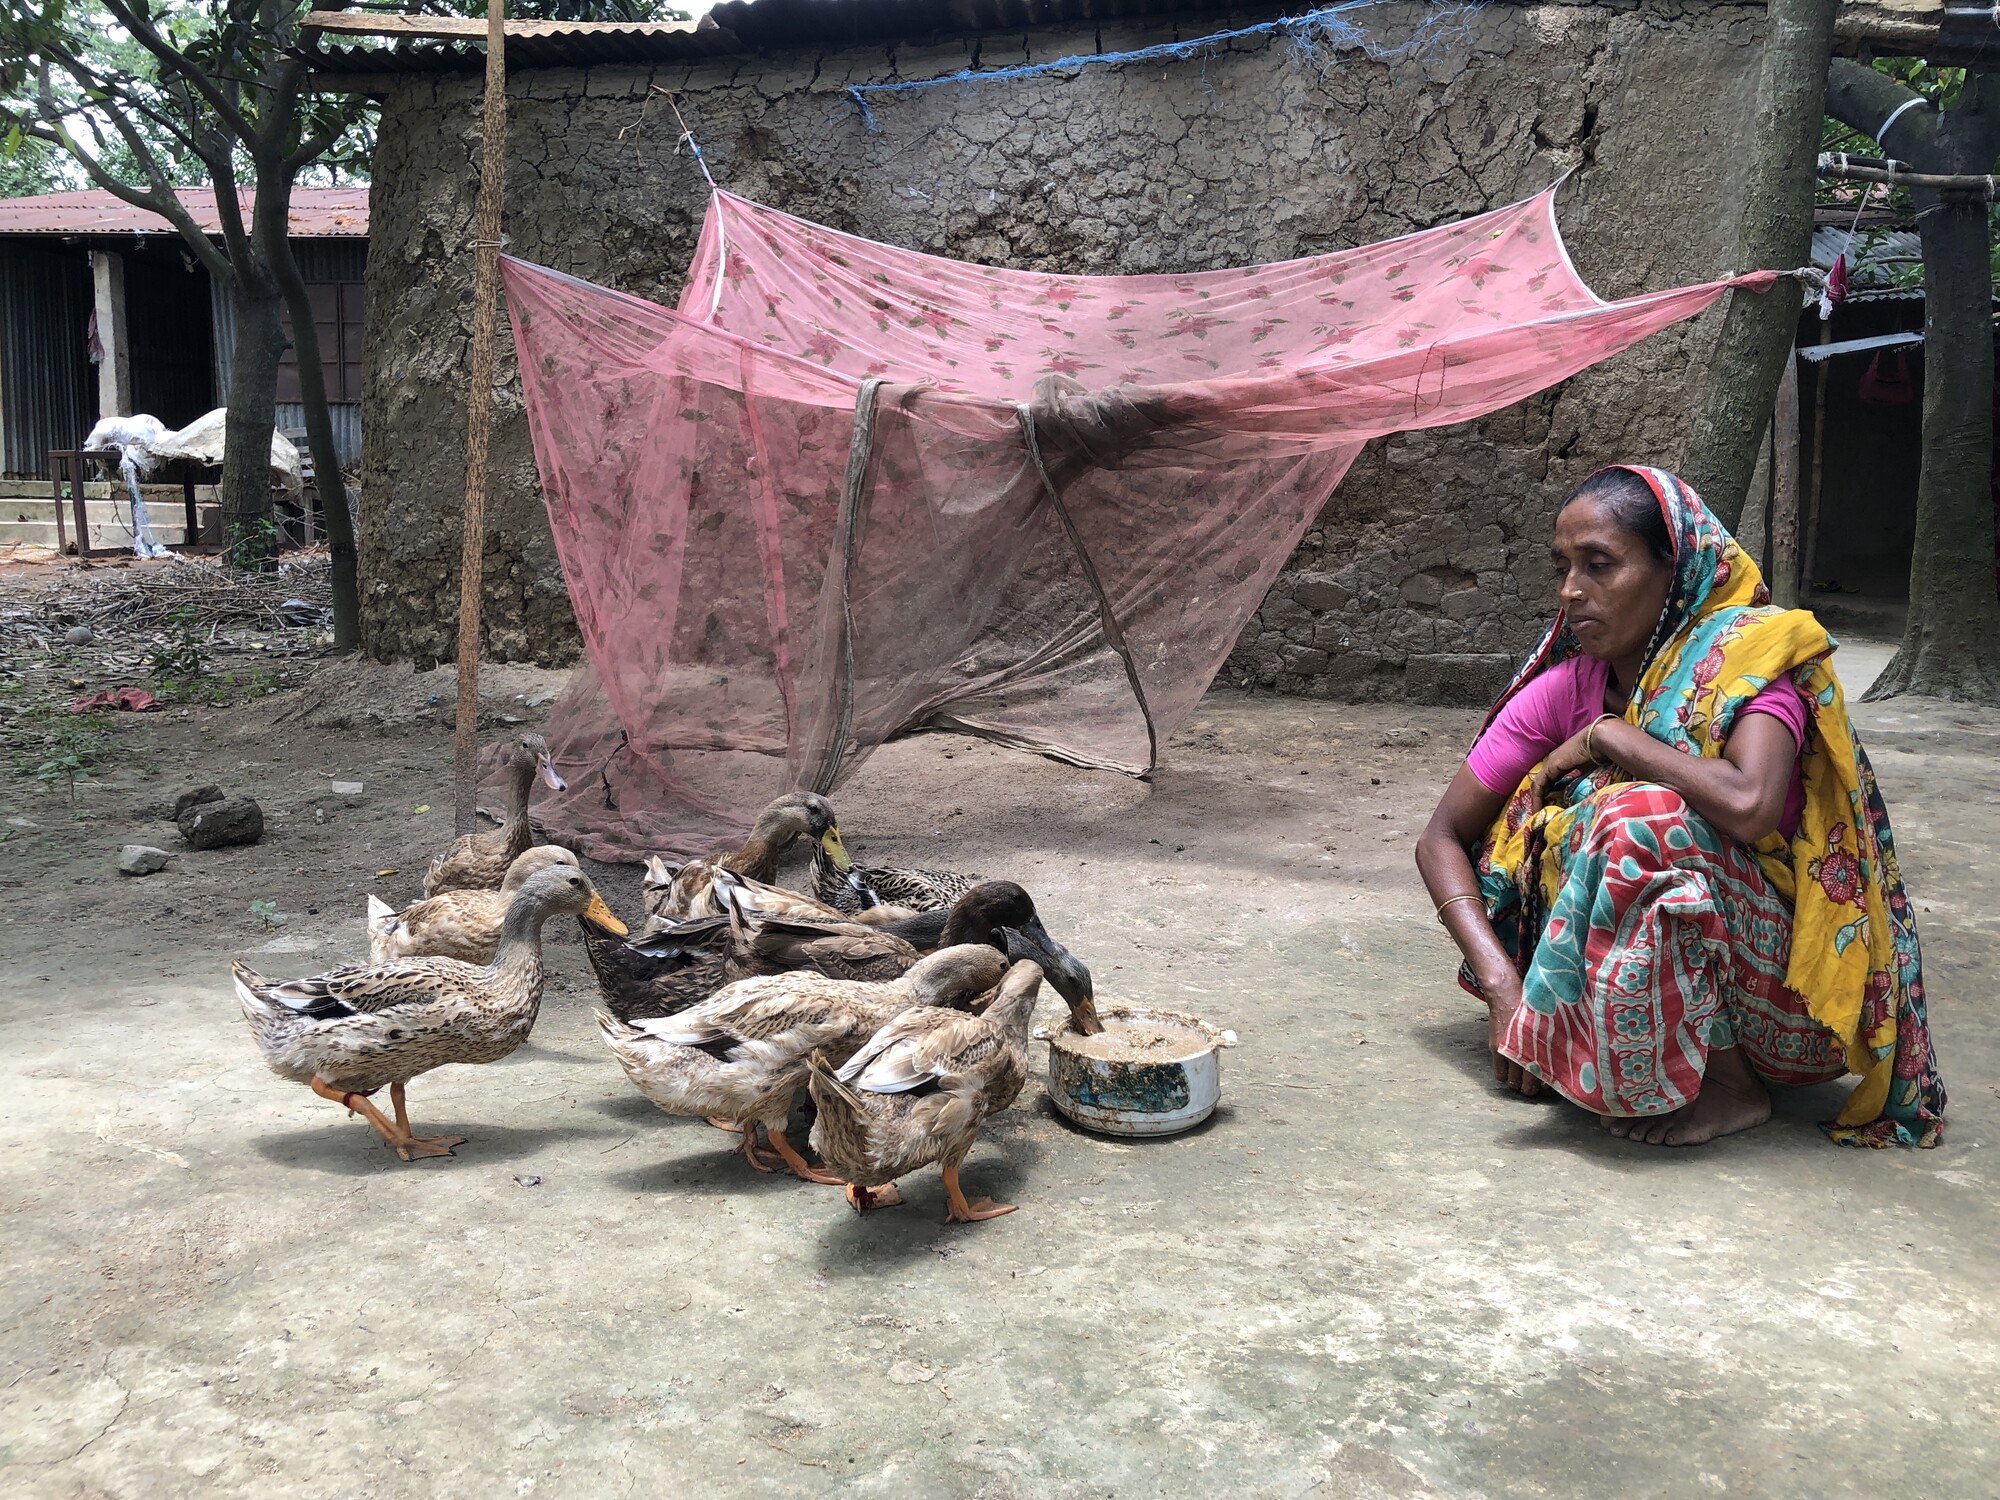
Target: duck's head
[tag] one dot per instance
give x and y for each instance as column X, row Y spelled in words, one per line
column 528, row 757
column 999, row 912
column 563, row 890
column 957, row 975
column 532, row 862
column 806, row 814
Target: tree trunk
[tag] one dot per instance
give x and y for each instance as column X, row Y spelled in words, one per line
column 1951, row 643
column 1735, row 392
column 247, row 532
column 319, row 437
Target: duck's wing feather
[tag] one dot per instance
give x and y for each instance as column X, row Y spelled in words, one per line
column 840, row 950
column 919, row 890
column 922, row 1048
column 791, row 1014
column 365, row 989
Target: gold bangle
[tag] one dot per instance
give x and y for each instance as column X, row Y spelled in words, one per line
column 1590, row 735
column 1453, row 901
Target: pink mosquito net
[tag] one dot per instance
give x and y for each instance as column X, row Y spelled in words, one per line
column 846, row 490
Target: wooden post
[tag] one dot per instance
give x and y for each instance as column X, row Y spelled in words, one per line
column 114, row 373
column 1753, row 532
column 1784, row 577
column 1810, row 535
column 479, row 412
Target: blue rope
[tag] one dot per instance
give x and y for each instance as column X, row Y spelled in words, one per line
column 1315, row 29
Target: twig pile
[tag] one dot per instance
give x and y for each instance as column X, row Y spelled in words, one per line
column 164, row 596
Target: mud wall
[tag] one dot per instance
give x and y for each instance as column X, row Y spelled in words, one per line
column 1426, row 572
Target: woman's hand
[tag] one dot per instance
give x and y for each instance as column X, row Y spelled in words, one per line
column 1464, row 813
column 1503, row 999
column 1573, row 754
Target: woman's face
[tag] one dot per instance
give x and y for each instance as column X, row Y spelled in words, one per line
column 1609, row 585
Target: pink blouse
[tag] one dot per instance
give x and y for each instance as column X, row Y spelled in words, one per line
column 1565, row 700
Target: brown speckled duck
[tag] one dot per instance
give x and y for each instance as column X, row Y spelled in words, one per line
column 741, row 1055
column 997, row 913
column 662, row 971
column 348, row 1032
column 681, row 890
column 480, row 861
column 458, row 924
column 917, row 1092
column 850, row 888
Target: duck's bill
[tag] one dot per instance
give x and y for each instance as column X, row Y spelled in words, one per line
column 1063, row 969
column 835, row 850
column 553, row 782
column 602, row 916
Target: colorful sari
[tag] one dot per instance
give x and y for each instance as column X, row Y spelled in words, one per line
column 1645, row 938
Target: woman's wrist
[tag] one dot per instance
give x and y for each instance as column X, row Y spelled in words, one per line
column 1593, row 747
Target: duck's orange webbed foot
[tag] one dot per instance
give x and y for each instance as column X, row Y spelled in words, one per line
column 412, row 1146
column 959, row 1211
column 861, row 1199
column 747, row 1149
column 800, row 1167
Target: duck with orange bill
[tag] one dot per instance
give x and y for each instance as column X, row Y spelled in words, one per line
column 352, row 1031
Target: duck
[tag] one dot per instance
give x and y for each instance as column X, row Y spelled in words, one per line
column 917, row 1091
column 667, row 968
column 680, row 890
column 671, row 965
column 741, row 1054
column 458, row 924
column 480, row 861
column 848, row 887
column 350, row 1031
column 998, row 913
column 704, row 887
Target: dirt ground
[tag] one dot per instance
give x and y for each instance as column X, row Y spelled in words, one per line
column 1371, row 1274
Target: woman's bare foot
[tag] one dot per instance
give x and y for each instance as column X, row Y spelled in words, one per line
column 1634, row 1127
column 1732, row 1098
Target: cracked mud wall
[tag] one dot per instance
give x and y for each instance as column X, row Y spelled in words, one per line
column 1426, row 573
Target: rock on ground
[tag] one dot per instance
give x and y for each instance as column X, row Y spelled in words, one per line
column 216, row 825
column 142, row 859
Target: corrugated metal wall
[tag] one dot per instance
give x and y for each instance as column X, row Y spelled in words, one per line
column 167, row 327
column 48, row 386
column 346, row 426
column 331, row 260
column 319, row 261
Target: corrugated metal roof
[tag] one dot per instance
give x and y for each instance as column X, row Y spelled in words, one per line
column 1874, row 257
column 336, row 213
column 748, row 26
column 741, row 26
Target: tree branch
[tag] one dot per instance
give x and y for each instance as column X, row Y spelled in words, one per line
column 158, row 196
column 173, row 65
column 1863, row 100
column 314, row 145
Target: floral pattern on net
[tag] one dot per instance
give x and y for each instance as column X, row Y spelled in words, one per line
column 980, row 331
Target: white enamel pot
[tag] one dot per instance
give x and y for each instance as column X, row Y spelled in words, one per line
column 1160, row 1096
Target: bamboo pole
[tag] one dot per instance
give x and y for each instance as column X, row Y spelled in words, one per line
column 1809, row 538
column 1784, row 579
column 1840, row 165
column 479, row 413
